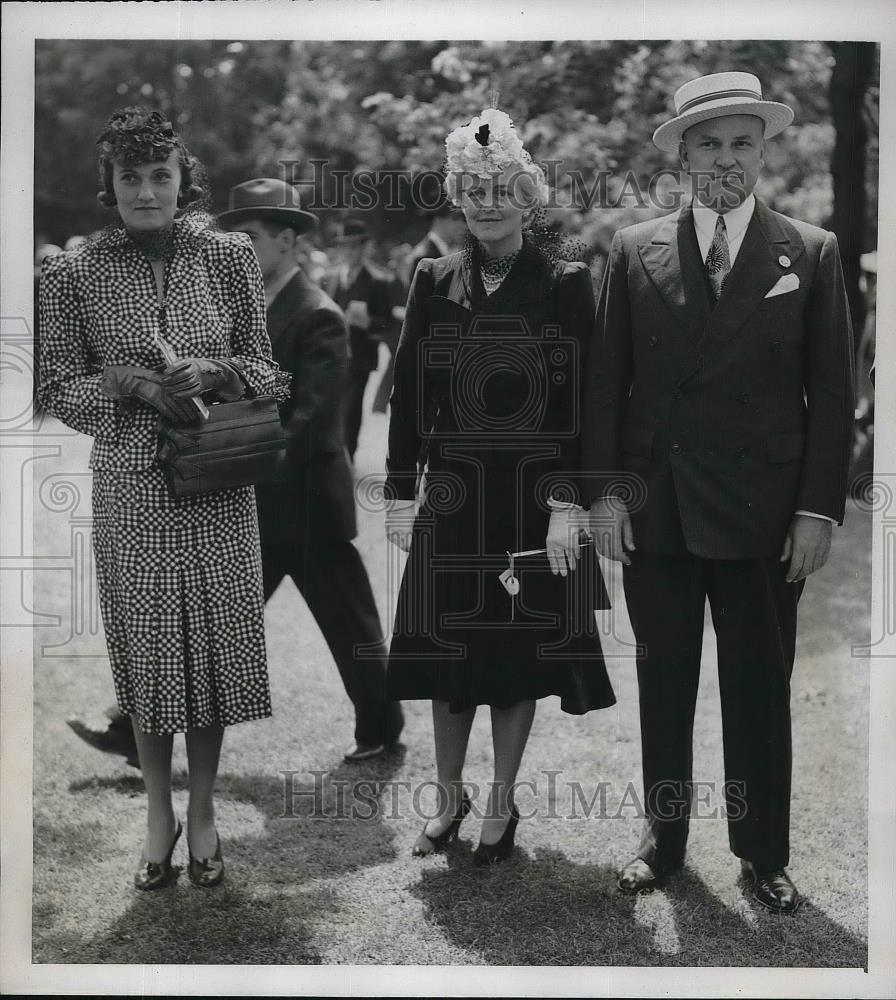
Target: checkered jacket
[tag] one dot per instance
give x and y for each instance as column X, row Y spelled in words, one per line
column 99, row 306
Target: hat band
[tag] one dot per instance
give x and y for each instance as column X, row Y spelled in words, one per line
column 718, row 95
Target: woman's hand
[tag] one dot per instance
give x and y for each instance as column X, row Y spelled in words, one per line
column 564, row 530
column 400, row 515
column 131, row 382
column 192, row 376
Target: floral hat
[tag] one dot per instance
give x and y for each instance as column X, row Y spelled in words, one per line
column 489, row 145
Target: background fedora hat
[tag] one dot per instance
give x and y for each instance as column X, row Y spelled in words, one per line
column 715, row 96
column 267, row 198
column 351, row 231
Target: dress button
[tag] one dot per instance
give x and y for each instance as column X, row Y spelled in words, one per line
column 676, row 449
column 653, row 341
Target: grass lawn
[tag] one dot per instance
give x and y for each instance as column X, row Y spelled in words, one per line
column 307, row 884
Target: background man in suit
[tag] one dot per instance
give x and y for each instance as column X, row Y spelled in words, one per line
column 367, row 295
column 721, row 387
column 307, row 521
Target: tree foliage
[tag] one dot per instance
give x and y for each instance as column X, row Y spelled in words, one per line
column 262, row 108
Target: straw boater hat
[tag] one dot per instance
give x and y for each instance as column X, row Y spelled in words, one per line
column 715, row 96
column 267, row 198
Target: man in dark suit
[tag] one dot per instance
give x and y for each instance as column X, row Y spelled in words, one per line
column 719, row 396
column 307, row 521
column 367, row 295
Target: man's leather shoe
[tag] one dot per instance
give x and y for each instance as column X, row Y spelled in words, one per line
column 364, row 751
column 637, row 876
column 116, row 739
column 773, row 889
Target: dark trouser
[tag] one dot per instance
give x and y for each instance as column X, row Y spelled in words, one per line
column 353, row 407
column 754, row 616
column 333, row 581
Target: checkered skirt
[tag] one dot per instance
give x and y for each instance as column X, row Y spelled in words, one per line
column 182, row 601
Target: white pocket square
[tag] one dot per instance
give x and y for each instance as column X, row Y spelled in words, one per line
column 786, row 283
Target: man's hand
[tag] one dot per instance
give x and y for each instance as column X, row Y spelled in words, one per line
column 611, row 527
column 400, row 515
column 807, row 546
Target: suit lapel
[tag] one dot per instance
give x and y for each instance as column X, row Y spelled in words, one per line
column 755, row 270
column 672, row 262
column 283, row 306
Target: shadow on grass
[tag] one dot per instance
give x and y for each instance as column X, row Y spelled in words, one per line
column 293, row 833
column 547, row 910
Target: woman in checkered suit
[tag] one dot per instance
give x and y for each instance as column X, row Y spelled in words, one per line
column 179, row 578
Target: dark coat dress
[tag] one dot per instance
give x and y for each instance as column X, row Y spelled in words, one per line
column 487, row 391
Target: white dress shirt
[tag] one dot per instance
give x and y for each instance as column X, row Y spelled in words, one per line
column 736, row 222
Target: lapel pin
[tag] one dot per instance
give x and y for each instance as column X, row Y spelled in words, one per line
column 784, row 260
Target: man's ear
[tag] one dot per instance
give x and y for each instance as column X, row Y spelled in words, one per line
column 287, row 240
column 683, row 154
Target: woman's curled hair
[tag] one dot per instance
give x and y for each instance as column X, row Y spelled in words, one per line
column 137, row 135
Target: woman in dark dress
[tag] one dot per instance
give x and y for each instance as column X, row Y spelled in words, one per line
column 486, row 404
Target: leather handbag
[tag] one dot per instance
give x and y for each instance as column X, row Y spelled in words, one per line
column 238, row 444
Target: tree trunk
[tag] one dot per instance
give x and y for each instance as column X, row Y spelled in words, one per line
column 850, row 77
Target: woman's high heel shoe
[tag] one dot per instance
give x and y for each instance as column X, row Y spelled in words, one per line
column 491, row 854
column 429, row 845
column 207, row 872
column 156, row 875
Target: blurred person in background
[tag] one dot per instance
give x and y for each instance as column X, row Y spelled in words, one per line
column 366, row 294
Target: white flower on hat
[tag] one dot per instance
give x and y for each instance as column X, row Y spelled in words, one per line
column 486, row 146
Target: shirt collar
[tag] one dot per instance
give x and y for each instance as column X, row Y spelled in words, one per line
column 736, row 221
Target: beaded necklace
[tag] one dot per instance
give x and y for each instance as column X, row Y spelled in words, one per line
column 493, row 270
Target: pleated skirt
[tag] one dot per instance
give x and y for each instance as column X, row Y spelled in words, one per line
column 182, row 602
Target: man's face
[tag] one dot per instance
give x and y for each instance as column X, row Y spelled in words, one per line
column 723, row 157
column 269, row 245
column 352, row 253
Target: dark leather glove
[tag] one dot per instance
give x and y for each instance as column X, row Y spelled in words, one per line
column 192, row 376
column 129, row 382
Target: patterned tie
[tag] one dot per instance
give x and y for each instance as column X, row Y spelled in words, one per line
column 718, row 260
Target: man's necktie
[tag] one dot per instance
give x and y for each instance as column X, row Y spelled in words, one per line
column 718, row 260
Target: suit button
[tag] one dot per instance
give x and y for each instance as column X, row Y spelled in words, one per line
column 677, row 394
column 676, row 449
column 653, row 341
column 776, row 345
column 742, row 453
column 743, row 397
